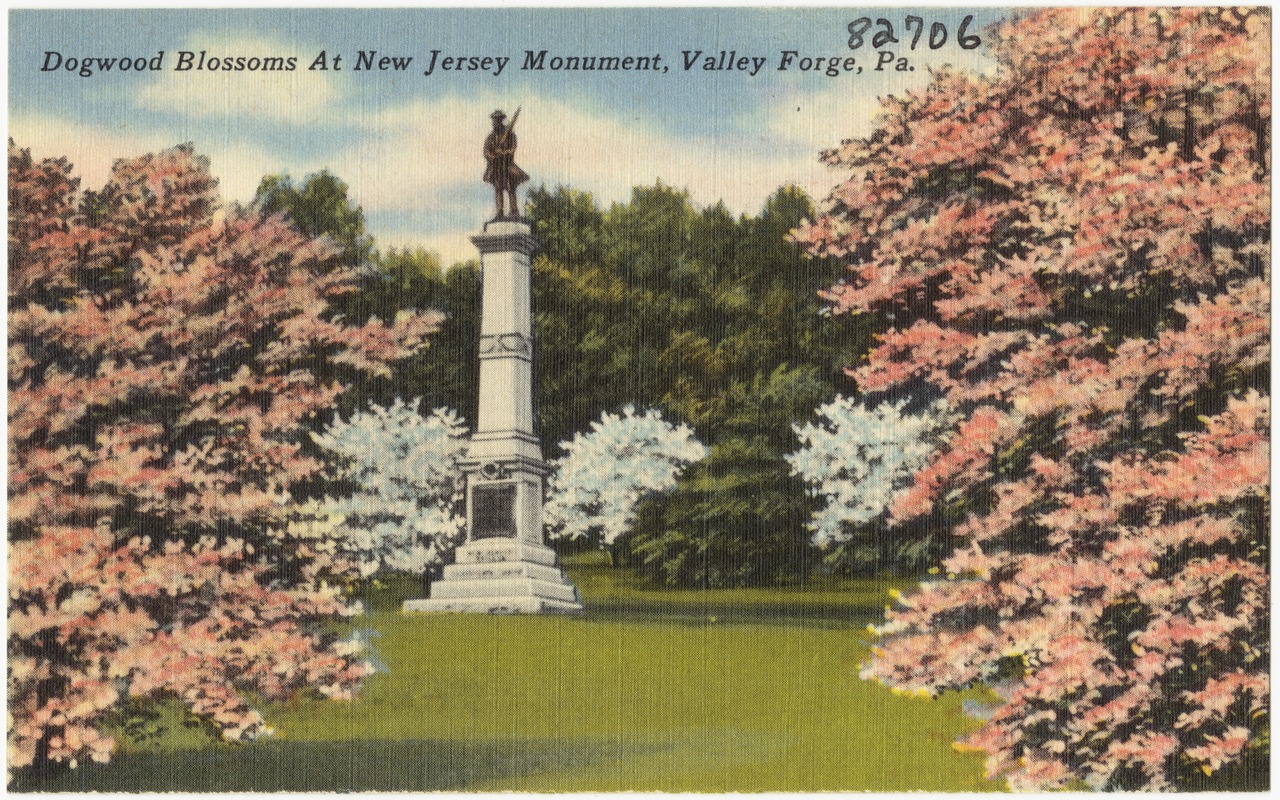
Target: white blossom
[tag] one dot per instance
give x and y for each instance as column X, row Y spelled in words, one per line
column 407, row 510
column 606, row 472
column 858, row 459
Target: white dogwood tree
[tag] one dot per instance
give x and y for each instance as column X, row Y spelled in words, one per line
column 858, row 457
column 406, row 508
column 605, row 473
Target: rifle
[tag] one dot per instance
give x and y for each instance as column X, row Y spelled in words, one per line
column 506, row 134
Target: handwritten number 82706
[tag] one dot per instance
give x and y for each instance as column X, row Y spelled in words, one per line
column 885, row 35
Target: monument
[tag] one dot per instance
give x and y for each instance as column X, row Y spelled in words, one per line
column 504, row 566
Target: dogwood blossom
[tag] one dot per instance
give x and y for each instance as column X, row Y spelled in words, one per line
column 603, row 475
column 859, row 458
column 164, row 359
column 1074, row 250
column 406, row 511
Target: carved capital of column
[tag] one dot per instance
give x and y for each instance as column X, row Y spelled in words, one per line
column 505, row 236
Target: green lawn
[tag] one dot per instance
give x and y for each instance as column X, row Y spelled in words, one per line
column 741, row 690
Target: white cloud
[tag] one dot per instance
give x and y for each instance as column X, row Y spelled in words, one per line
column 422, row 152
column 416, row 167
column 821, row 115
column 92, row 149
column 239, row 168
column 299, row 97
column 425, row 157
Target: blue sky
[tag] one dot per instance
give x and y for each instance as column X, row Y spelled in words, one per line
column 408, row 144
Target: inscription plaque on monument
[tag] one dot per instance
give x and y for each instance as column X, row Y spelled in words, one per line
column 493, row 511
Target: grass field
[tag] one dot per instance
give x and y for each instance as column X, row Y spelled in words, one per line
column 740, row 690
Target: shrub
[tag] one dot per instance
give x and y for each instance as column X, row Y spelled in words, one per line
column 405, row 508
column 603, row 475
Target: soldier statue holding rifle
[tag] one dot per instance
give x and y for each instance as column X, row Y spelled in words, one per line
column 500, row 164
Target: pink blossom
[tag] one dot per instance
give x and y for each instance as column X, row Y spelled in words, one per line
column 1109, row 468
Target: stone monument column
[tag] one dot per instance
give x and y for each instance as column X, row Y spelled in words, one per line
column 504, row 566
column 504, row 462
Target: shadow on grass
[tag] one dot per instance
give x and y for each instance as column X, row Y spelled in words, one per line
column 809, row 616
column 274, row 766
column 614, row 595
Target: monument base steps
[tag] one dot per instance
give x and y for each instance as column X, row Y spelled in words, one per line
column 501, row 576
column 494, row 605
column 502, row 569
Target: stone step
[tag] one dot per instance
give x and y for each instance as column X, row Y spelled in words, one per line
column 503, row 569
column 493, row 605
column 504, row 587
column 496, row 551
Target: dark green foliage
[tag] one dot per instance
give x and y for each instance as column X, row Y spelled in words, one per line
column 717, row 321
column 318, row 206
column 446, row 373
column 659, row 304
column 393, row 282
column 161, row 724
column 738, row 517
column 909, row 549
column 1251, row 773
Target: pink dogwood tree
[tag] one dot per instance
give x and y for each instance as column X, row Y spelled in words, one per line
column 1074, row 251
column 165, row 357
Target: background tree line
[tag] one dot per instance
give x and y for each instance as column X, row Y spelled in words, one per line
column 714, row 319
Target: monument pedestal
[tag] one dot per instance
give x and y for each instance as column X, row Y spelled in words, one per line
column 497, row 576
column 504, row 567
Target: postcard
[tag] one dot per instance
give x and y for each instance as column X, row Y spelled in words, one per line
column 648, row 399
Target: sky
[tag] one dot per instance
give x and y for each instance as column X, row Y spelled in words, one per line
column 408, row 144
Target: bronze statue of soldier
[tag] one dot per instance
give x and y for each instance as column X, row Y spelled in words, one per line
column 500, row 164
